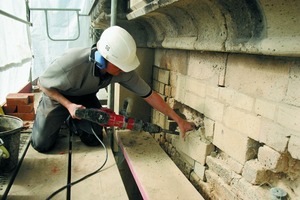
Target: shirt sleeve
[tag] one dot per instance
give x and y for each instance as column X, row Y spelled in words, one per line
column 133, row 82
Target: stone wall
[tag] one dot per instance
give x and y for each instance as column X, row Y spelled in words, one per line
column 248, row 107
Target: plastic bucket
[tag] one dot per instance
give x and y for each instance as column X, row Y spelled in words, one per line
column 10, row 130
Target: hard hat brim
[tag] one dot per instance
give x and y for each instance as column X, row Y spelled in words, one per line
column 126, row 67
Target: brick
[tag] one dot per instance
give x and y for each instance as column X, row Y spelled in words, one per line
column 265, row 108
column 17, row 99
column 272, row 160
column 289, row 116
column 164, row 76
column 168, row 90
column 194, row 147
column 161, row 88
column 236, row 145
column 9, row 108
column 24, row 116
column 221, row 168
column 155, row 85
column 213, row 109
column 26, row 108
column 255, row 173
column 294, row 147
column 155, row 73
column 243, row 122
column 274, row 135
column 29, row 95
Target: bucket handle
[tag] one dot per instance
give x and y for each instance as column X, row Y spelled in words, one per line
column 5, row 153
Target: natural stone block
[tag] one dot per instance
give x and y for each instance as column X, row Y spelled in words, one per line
column 255, row 173
column 272, row 160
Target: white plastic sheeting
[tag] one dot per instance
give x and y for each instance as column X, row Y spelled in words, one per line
column 15, row 53
column 61, row 25
column 19, row 42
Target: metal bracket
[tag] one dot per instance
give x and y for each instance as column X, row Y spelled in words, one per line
column 60, row 9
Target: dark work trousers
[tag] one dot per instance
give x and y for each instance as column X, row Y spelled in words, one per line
column 50, row 115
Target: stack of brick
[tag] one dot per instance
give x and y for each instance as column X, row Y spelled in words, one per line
column 20, row 105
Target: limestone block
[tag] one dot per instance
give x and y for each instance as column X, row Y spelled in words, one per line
column 236, row 99
column 219, row 167
column 272, row 160
column 180, row 89
column 209, row 126
column 255, row 173
column 199, row 169
column 219, row 189
column 194, row 101
column 243, row 122
column 195, row 86
column 265, row 108
column 274, row 135
column 293, row 94
column 213, row 109
column 236, row 145
column 194, row 147
column 246, row 190
column 289, row 116
column 258, row 76
column 294, row 147
column 206, row 66
column 212, row 91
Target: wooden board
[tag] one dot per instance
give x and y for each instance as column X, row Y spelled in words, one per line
column 106, row 184
column 155, row 173
column 42, row 174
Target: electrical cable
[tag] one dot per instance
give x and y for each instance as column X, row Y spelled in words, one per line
column 86, row 176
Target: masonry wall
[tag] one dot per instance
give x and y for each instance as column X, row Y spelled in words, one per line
column 248, row 107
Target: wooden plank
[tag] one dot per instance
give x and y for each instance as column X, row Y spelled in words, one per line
column 156, row 175
column 106, row 184
column 42, row 174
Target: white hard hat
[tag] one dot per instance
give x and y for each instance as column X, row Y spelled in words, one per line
column 118, row 47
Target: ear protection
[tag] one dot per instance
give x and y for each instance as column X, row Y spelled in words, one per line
column 97, row 59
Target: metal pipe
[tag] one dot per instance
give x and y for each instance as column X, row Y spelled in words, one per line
column 113, row 19
column 15, row 18
column 113, row 13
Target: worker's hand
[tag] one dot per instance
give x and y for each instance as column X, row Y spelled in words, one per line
column 72, row 108
column 185, row 126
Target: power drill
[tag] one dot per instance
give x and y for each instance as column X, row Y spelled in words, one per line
column 108, row 118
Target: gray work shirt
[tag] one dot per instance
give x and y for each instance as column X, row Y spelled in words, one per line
column 73, row 74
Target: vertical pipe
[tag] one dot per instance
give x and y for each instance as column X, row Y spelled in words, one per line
column 113, row 12
column 113, row 19
column 113, row 88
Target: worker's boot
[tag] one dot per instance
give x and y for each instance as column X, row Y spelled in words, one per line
column 86, row 131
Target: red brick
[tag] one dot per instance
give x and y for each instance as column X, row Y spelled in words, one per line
column 17, row 99
column 25, row 108
column 29, row 95
column 24, row 116
column 9, row 108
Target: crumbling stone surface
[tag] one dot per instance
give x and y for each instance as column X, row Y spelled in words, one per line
column 255, row 173
column 272, row 160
